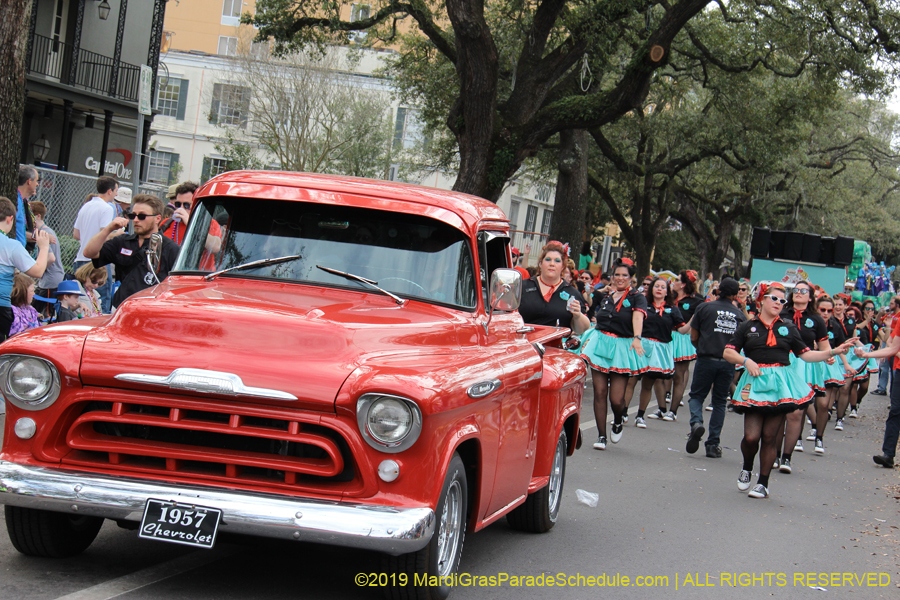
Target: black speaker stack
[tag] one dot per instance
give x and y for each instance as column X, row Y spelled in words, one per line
column 801, row 247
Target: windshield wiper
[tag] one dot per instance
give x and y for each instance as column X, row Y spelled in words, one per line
column 369, row 282
column 256, row 263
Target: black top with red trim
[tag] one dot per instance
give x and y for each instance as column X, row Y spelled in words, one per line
column 849, row 324
column 660, row 322
column 688, row 305
column 811, row 325
column 751, row 337
column 836, row 335
column 614, row 315
column 536, row 311
column 868, row 334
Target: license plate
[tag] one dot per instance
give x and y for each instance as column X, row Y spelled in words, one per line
column 180, row 523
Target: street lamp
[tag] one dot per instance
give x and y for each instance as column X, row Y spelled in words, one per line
column 41, row 148
column 104, row 10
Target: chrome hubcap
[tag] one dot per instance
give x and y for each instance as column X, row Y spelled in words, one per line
column 451, row 524
column 556, row 476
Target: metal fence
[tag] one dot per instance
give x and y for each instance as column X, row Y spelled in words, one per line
column 522, row 239
column 64, row 194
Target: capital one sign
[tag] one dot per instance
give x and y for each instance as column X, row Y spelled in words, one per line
column 118, row 169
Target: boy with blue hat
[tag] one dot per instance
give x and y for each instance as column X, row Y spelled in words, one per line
column 67, row 294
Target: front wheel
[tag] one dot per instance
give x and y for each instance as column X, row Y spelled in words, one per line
column 428, row 572
column 539, row 512
column 50, row 534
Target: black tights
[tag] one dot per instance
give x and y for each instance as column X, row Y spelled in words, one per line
column 760, row 433
column 679, row 383
column 612, row 386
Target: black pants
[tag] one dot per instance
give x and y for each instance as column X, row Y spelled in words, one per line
column 6, row 321
column 892, row 425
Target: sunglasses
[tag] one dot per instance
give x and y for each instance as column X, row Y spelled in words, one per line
column 775, row 298
column 870, row 308
column 138, row 216
column 801, row 292
column 744, row 289
column 587, row 278
column 826, row 310
column 187, row 205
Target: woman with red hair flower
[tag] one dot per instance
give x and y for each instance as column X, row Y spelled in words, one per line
column 769, row 387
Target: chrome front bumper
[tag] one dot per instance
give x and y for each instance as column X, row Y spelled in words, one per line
column 370, row 527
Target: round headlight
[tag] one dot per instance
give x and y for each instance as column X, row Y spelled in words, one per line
column 388, row 423
column 389, row 420
column 30, row 380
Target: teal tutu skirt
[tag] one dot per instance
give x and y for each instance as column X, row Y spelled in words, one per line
column 660, row 360
column 610, row 354
column 811, row 373
column 834, row 374
column 740, row 368
column 682, row 348
column 864, row 366
column 777, row 390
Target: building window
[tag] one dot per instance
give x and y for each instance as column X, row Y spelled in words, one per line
column 217, row 166
column 172, row 98
column 227, row 45
column 545, row 224
column 230, row 105
column 231, row 12
column 530, row 220
column 513, row 214
column 159, row 166
column 407, row 129
column 359, row 12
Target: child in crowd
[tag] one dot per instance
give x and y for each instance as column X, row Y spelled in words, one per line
column 90, row 278
column 25, row 316
column 68, row 293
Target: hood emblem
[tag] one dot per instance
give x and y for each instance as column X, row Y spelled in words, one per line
column 205, row 382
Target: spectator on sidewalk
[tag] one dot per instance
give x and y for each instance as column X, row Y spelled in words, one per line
column 54, row 274
column 14, row 256
column 884, row 369
column 92, row 217
column 28, row 185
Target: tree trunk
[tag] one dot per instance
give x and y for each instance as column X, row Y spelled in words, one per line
column 14, row 27
column 570, row 206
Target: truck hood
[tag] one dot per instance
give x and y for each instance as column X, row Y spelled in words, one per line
column 291, row 338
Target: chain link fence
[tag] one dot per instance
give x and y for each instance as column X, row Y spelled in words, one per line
column 63, row 194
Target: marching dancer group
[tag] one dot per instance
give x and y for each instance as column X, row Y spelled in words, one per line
column 783, row 359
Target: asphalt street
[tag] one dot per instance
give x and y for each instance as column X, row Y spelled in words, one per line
column 828, row 530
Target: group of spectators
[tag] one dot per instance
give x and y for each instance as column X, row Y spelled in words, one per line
column 780, row 359
column 112, row 228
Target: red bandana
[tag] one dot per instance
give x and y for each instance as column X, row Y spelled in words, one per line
column 660, row 309
column 770, row 338
column 549, row 294
column 797, row 314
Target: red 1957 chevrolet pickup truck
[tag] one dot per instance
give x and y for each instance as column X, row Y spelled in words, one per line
column 353, row 371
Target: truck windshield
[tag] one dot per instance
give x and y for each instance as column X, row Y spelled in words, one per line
column 409, row 255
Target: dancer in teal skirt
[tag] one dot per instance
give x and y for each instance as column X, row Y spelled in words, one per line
column 613, row 349
column 769, row 388
column 868, row 330
column 687, row 301
column 801, row 310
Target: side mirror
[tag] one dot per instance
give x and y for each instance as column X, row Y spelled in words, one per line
column 505, row 292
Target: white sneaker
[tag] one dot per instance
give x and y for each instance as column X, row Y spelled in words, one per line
column 657, row 415
column 798, row 447
column 668, row 397
column 820, row 447
column 708, row 408
column 759, row 491
column 600, row 444
column 625, row 418
column 743, row 481
column 670, row 416
column 640, row 422
column 616, row 433
column 681, row 403
column 839, row 425
column 777, row 463
column 812, row 435
column 853, row 414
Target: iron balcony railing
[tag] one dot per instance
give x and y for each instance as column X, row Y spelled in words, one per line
column 84, row 69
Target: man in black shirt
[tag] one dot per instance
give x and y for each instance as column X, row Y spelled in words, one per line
column 712, row 327
column 128, row 251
